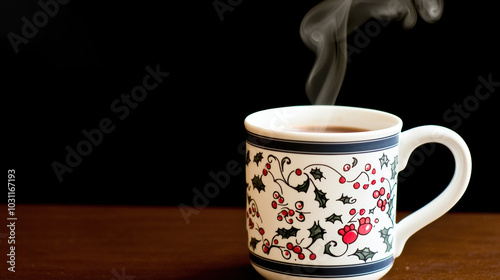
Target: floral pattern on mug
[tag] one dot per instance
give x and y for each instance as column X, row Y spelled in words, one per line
column 351, row 200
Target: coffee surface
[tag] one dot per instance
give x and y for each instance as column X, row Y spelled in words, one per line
column 328, row 129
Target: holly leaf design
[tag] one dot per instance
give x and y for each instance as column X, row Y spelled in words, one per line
column 258, row 158
column 285, row 160
column 354, row 162
column 286, row 233
column 247, row 158
column 394, row 168
column 364, row 254
column 328, row 245
column 316, row 232
column 320, row 197
column 384, row 160
column 254, row 242
column 304, row 187
column 334, row 217
column 347, row 199
column 384, row 233
column 257, row 183
column 317, row 174
column 390, row 206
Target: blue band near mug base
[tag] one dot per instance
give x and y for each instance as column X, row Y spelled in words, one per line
column 308, row 147
column 317, row 271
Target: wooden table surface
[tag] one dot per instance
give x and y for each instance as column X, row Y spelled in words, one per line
column 131, row 242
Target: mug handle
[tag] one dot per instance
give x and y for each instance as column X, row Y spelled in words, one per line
column 411, row 139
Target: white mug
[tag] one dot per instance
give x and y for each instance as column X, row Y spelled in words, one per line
column 322, row 204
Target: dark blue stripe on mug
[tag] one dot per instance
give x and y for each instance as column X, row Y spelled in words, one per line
column 316, row 271
column 307, row 147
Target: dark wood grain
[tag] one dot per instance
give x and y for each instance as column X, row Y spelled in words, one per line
column 130, row 242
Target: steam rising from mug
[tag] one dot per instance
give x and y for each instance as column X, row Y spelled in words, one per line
column 325, row 27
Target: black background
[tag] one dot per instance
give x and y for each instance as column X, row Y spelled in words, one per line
column 64, row 79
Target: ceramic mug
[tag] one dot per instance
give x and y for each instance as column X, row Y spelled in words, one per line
column 323, row 204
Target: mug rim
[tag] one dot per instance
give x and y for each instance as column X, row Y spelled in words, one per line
column 277, row 123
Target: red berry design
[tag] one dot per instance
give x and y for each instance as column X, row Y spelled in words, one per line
column 374, row 171
column 376, row 220
column 347, row 167
column 299, row 205
column 276, row 195
column 376, row 194
column 265, row 249
column 301, row 256
column 356, row 185
column 264, row 172
column 274, row 204
column 268, row 166
column 368, row 167
column 280, row 218
column 349, row 234
column 298, row 172
column 364, row 226
column 291, row 212
column 275, row 241
column 281, row 200
column 301, row 218
column 382, row 180
column 312, row 257
column 362, row 211
column 261, row 231
column 342, row 180
column 290, row 221
column 388, row 195
column 297, row 249
column 374, row 182
column 289, row 246
column 365, row 186
column 353, row 211
column 382, row 191
column 284, row 213
column 379, row 203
